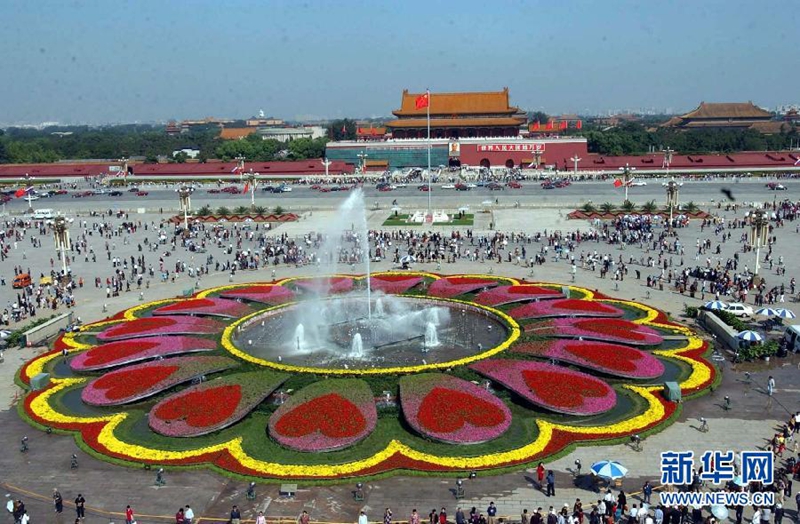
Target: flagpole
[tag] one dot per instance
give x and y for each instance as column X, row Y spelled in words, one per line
column 430, row 178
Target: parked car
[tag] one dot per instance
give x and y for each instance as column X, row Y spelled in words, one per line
column 494, row 186
column 142, row 193
column 740, row 310
column 514, row 185
column 424, row 187
column 116, row 193
column 462, row 187
column 774, row 186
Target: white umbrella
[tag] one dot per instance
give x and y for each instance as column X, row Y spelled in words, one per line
column 767, row 312
column 739, row 482
column 720, row 512
column 785, row 313
column 750, row 336
column 609, row 469
column 464, row 208
column 715, row 304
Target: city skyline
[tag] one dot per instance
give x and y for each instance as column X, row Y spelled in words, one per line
column 105, row 62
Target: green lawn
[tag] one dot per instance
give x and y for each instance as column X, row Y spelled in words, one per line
column 402, row 220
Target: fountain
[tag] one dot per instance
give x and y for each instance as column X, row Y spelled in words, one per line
column 431, row 336
column 299, row 337
column 357, row 347
column 379, row 310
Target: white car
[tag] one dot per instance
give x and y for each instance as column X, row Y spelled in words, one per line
column 471, row 185
column 448, row 186
column 400, row 185
column 638, row 183
column 740, row 310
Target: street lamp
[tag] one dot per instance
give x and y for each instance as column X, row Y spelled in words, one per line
column 759, row 223
column 326, row 163
column 575, row 159
column 626, row 178
column 185, row 194
column 61, row 234
column 363, row 158
column 667, row 157
column 672, row 197
column 240, row 165
column 252, row 180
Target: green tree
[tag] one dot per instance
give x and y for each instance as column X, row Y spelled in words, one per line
column 607, row 207
column 689, row 207
column 588, row 207
column 180, row 157
column 204, row 211
column 260, row 210
column 241, row 210
column 538, row 116
column 278, row 210
column 628, row 206
column 343, row 129
column 649, row 207
column 223, row 211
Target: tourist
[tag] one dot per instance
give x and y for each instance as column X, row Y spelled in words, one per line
column 659, row 514
column 305, row 518
column 433, row 517
column 524, row 518
column 537, row 518
column 540, row 474
column 362, row 518
column 128, row 515
column 460, row 519
column 261, row 519
column 58, row 501
column 414, row 519
column 491, row 513
column 80, row 506
column 236, row 515
column 552, row 518
column 770, row 385
column 778, row 513
column 188, row 515
column 551, row 483
column 179, row 518
column 647, row 492
column 442, row 517
column 387, row 516
column 594, row 515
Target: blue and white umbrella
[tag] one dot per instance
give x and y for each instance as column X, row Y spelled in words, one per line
column 715, row 304
column 609, row 469
column 767, row 312
column 739, row 482
column 785, row 313
column 749, row 336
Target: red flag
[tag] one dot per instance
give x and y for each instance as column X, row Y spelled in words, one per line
column 536, row 126
column 563, row 124
column 422, row 101
column 579, row 124
column 618, row 183
column 19, row 192
column 549, row 125
column 246, row 187
column 344, row 129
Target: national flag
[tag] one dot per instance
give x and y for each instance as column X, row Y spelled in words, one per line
column 563, row 124
column 21, row 192
column 536, row 126
column 549, row 125
column 237, row 169
column 579, row 124
column 423, row 101
column 246, row 187
column 618, row 183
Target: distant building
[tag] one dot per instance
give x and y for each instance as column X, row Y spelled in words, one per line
column 738, row 115
column 190, row 152
column 284, row 134
column 264, row 122
column 458, row 115
column 236, row 133
column 370, row 133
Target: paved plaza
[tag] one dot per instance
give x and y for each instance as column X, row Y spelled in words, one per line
column 752, row 421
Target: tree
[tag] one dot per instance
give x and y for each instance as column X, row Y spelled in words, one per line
column 278, row 210
column 180, row 157
column 538, row 116
column 241, row 210
column 607, row 207
column 260, row 210
column 649, row 207
column 628, row 206
column 204, row 211
column 343, row 129
column 223, row 211
column 4, row 158
column 588, row 207
column 689, row 207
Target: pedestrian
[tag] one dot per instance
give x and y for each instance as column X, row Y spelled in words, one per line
column 659, row 514
column 236, row 515
column 58, row 501
column 387, row 516
column 739, row 513
column 305, row 518
column 540, row 474
column 188, row 514
column 524, row 518
column 770, row 385
column 766, row 515
column 179, row 519
column 433, row 517
column 551, row 483
column 647, row 491
column 537, row 518
column 414, row 519
column 778, row 513
column 491, row 512
column 460, row 519
column 261, row 519
column 442, row 517
column 551, row 516
column 129, row 515
column 80, row 506
column 362, row 518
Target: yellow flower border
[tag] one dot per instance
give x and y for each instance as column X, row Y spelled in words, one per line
column 655, row 412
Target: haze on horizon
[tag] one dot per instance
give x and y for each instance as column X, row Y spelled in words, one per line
column 94, row 61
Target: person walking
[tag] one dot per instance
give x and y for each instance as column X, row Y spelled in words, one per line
column 236, row 515
column 58, row 501
column 129, row 515
column 551, row 483
column 778, row 513
column 414, row 519
column 387, row 516
column 261, row 519
column 647, row 492
column 80, row 506
column 770, row 385
column 362, row 518
column 540, row 474
column 524, row 518
column 188, row 514
column 460, row 518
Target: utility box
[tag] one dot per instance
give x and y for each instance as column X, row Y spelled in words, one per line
column 40, row 381
column 672, row 391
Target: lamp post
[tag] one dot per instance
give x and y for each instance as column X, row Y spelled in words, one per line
column 363, row 158
column 61, row 233
column 759, row 223
column 252, row 181
column 667, row 157
column 575, row 160
column 326, row 163
column 626, row 178
column 240, row 165
column 124, row 162
column 185, row 194
column 672, row 197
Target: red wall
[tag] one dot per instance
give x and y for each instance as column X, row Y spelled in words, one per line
column 554, row 153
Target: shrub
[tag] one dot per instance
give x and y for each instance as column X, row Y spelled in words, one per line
column 731, row 319
column 223, row 211
column 588, row 207
column 690, row 311
column 649, row 207
column 628, row 206
column 279, row 210
column 241, row 210
column 204, row 211
column 607, row 207
column 261, row 210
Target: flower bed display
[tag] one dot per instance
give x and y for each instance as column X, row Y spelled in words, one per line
column 508, row 294
column 394, row 284
column 452, row 410
column 283, row 217
column 122, row 352
column 571, row 307
column 552, row 387
column 132, row 383
column 612, row 359
column 213, row 405
column 144, row 327
column 269, row 294
column 608, row 329
column 325, row 285
column 211, row 306
column 104, row 399
column 449, row 287
column 325, row 416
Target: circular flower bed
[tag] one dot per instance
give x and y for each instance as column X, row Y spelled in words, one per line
column 573, row 366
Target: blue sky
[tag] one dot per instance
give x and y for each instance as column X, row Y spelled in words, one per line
column 143, row 60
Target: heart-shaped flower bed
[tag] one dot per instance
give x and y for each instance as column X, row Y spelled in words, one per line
column 140, row 381
column 393, row 284
column 123, row 352
column 325, row 416
column 552, row 387
column 148, row 326
column 508, row 294
column 452, row 410
column 611, row 359
column 325, row 285
column 213, row 405
column 449, row 287
column 607, row 329
column 211, row 306
column 268, row 294
column 571, row 307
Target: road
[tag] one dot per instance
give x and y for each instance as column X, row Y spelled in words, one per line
column 531, row 194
